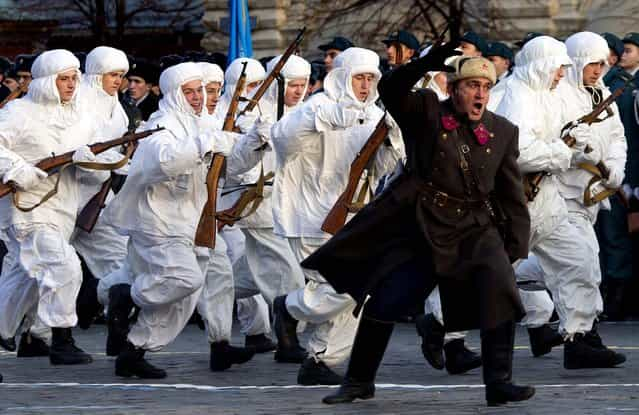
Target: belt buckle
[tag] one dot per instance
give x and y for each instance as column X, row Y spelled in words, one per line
column 440, row 199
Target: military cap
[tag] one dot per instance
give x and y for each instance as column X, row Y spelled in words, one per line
column 527, row 38
column 338, row 42
column 23, row 63
column 475, row 39
column 404, row 37
column 632, row 37
column 499, row 49
column 170, row 60
column 145, row 70
column 614, row 43
column 472, row 67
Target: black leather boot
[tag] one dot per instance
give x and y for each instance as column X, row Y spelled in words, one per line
column 285, row 328
column 31, row 346
column 223, row 355
column 87, row 306
column 432, row 334
column 131, row 362
column 369, row 346
column 582, row 352
column 543, row 339
column 63, row 350
column 8, row 344
column 497, row 358
column 120, row 307
column 315, row 372
column 260, row 343
column 460, row 359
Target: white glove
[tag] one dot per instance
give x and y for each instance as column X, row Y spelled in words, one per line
column 582, row 135
column 340, row 115
column 263, row 128
column 246, row 121
column 83, row 154
column 24, row 175
column 614, row 180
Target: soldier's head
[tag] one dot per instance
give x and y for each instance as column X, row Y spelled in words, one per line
column 469, row 86
column 333, row 48
column 501, row 56
column 56, row 74
column 182, row 88
column 296, row 73
column 589, row 54
column 615, row 48
column 141, row 77
column 213, row 82
column 471, row 44
column 354, row 78
column 105, row 68
column 630, row 57
column 255, row 75
column 542, row 63
column 400, row 43
column 22, row 68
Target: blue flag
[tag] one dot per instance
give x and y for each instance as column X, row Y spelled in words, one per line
column 240, row 44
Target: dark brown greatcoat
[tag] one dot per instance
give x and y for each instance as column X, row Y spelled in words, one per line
column 469, row 259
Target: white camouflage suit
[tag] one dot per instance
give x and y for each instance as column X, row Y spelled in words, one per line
column 159, row 207
column 531, row 104
column 269, row 268
column 44, row 275
column 103, row 250
column 314, row 148
column 608, row 144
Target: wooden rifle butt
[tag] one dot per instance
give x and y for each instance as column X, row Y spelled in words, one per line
column 206, row 230
column 89, row 215
column 336, row 217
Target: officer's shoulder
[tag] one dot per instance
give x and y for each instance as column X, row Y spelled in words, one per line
column 501, row 125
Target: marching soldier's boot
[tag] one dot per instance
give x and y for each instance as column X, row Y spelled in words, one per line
column 31, row 346
column 369, row 346
column 131, row 362
column 63, row 350
column 8, row 344
column 432, row 334
column 543, row 339
column 120, row 307
column 285, row 329
column 315, row 372
column 87, row 305
column 223, row 355
column 497, row 358
column 460, row 359
column 260, row 343
column 587, row 351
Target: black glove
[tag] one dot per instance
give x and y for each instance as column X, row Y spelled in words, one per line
column 434, row 60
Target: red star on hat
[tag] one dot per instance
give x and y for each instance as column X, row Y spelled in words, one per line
column 485, row 67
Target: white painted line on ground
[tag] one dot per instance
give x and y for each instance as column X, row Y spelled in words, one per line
column 207, row 388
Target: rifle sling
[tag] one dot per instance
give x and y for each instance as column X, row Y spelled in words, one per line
column 90, row 165
column 589, row 199
column 253, row 194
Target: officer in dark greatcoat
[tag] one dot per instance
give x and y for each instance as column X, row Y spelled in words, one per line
column 456, row 217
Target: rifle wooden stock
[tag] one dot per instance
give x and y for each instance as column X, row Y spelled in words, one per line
column 206, row 227
column 336, row 217
column 52, row 164
column 88, row 217
column 274, row 72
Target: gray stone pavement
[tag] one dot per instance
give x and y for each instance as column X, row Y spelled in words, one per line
column 405, row 385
